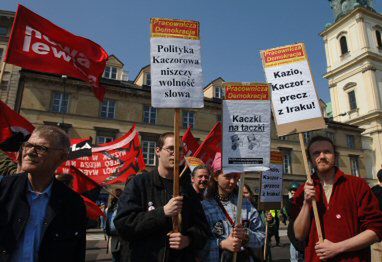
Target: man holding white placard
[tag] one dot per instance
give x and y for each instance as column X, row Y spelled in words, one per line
column 351, row 219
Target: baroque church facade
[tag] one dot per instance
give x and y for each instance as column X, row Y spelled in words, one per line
column 353, row 47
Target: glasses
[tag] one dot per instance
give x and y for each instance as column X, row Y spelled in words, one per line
column 171, row 150
column 39, row 149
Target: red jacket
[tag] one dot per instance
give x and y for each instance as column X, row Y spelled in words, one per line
column 352, row 209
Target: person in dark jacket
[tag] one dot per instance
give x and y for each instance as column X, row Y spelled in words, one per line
column 377, row 189
column 146, row 207
column 41, row 219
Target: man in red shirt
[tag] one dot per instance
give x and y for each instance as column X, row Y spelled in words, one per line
column 349, row 213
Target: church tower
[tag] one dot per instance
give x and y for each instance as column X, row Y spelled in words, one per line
column 353, row 47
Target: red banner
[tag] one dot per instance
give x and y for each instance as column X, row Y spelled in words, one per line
column 38, row 44
column 112, row 162
column 14, row 129
column 211, row 145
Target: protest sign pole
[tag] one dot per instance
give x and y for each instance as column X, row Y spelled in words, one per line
column 2, row 71
column 239, row 206
column 108, row 191
column 175, row 220
column 309, row 176
column 266, row 238
column 183, row 171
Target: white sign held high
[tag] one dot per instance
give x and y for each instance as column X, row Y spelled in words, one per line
column 246, row 127
column 176, row 71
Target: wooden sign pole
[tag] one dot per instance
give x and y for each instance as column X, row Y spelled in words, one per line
column 266, row 238
column 309, row 176
column 2, row 71
column 176, row 189
column 239, row 207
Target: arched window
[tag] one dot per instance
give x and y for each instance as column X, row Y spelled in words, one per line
column 344, row 45
column 379, row 39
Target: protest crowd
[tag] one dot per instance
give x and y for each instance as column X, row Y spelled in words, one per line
column 194, row 205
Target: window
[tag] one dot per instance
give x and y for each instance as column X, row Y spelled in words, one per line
column 307, row 137
column 330, row 135
column 60, row 102
column 219, row 117
column 188, row 119
column 352, row 100
column 110, row 72
column 4, row 85
column 354, row 165
column 344, row 45
column 3, row 31
column 1, row 55
column 105, row 135
column 219, row 92
column 108, row 109
column 337, row 160
column 149, row 114
column 379, row 39
column 104, row 139
column 350, row 141
column 148, row 150
column 283, row 138
column 148, row 79
column 287, row 162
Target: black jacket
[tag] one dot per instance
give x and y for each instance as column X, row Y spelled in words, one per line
column 64, row 229
column 142, row 222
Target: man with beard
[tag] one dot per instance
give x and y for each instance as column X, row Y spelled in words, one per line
column 41, row 219
column 147, row 206
column 349, row 213
column 199, row 178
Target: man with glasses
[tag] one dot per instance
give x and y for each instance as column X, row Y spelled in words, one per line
column 147, row 206
column 41, row 219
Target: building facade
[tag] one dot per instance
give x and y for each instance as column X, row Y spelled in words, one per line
column 9, row 74
column 353, row 46
column 69, row 103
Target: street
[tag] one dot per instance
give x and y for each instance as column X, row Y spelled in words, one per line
column 96, row 247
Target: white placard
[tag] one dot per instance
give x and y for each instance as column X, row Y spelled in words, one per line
column 176, row 73
column 293, row 94
column 246, row 135
column 272, row 184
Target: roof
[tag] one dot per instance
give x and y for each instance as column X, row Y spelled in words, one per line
column 219, row 78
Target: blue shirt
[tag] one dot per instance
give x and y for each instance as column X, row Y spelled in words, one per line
column 29, row 243
column 221, row 228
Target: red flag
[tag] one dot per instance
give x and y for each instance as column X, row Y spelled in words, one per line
column 211, row 145
column 38, row 44
column 14, row 129
column 81, row 182
column 92, row 210
column 190, row 144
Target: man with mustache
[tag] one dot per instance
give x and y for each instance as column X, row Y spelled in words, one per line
column 349, row 214
column 147, row 206
column 41, row 219
column 199, row 178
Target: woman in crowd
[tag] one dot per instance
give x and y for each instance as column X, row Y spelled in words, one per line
column 220, row 210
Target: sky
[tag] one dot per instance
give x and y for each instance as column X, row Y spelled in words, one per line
column 232, row 31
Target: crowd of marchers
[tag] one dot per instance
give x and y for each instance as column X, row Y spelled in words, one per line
column 42, row 219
